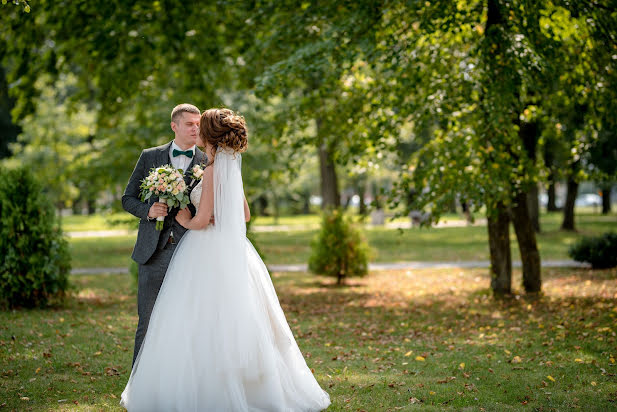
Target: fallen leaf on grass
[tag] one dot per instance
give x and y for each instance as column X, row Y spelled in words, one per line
column 447, row 379
column 420, row 358
column 409, row 353
column 550, row 378
column 111, row 371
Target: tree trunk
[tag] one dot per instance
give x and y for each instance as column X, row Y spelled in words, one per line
column 76, row 207
column 526, row 236
column 551, row 205
column 606, row 200
column 306, row 203
column 275, row 207
column 361, row 193
column 329, row 184
column 499, row 244
column 467, row 212
column 533, row 206
column 568, row 207
column 453, row 205
column 529, row 132
column 91, row 206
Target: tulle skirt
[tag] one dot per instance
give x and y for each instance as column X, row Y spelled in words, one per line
column 218, row 339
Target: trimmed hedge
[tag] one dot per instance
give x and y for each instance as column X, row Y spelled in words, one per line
column 35, row 256
column 600, row 251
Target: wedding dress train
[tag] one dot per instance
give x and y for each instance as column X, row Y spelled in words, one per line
column 218, row 339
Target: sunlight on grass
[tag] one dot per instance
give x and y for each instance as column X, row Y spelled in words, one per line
column 107, row 221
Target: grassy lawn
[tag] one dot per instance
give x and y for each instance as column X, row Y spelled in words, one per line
column 389, row 245
column 399, row 340
column 123, row 220
column 104, row 252
column 110, row 221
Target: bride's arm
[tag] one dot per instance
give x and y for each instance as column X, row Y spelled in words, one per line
column 206, row 205
column 247, row 211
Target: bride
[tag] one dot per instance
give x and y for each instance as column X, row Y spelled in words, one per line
column 218, row 339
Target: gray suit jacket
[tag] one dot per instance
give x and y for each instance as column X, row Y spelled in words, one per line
column 148, row 238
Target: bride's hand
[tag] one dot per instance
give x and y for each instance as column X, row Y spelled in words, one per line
column 184, row 216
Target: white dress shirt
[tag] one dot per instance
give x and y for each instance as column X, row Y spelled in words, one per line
column 182, row 161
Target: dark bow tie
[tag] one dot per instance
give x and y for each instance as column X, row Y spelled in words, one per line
column 187, row 153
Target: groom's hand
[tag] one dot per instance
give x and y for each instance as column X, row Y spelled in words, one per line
column 157, row 209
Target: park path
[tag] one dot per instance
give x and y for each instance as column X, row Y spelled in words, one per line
column 372, row 266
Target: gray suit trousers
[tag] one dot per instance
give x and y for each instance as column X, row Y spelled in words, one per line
column 151, row 275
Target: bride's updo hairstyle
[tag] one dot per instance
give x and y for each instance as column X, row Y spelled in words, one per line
column 223, row 128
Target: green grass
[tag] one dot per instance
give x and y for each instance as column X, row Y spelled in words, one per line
column 442, row 244
column 111, row 221
column 106, row 252
column 399, row 340
column 389, row 245
column 123, row 220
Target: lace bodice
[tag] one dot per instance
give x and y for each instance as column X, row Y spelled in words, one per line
column 196, row 194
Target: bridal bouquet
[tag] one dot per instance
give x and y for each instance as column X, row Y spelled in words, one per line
column 196, row 173
column 168, row 185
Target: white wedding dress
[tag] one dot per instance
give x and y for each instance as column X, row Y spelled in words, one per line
column 218, row 339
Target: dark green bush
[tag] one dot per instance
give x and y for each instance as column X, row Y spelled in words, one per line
column 35, row 256
column 600, row 251
column 338, row 250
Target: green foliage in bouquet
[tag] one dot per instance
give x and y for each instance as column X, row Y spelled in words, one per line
column 35, row 256
column 600, row 251
column 338, row 250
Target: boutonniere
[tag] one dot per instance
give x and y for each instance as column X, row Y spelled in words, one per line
column 196, row 174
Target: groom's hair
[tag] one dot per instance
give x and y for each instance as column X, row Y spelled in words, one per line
column 181, row 108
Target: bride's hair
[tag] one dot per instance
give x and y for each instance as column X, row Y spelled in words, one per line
column 223, row 128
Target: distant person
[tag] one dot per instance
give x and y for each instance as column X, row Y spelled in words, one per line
column 218, row 339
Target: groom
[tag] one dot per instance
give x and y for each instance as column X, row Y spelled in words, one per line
column 154, row 249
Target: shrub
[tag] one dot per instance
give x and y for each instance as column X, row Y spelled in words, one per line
column 338, row 250
column 600, row 251
column 35, row 257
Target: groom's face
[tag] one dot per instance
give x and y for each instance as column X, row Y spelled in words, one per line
column 186, row 129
